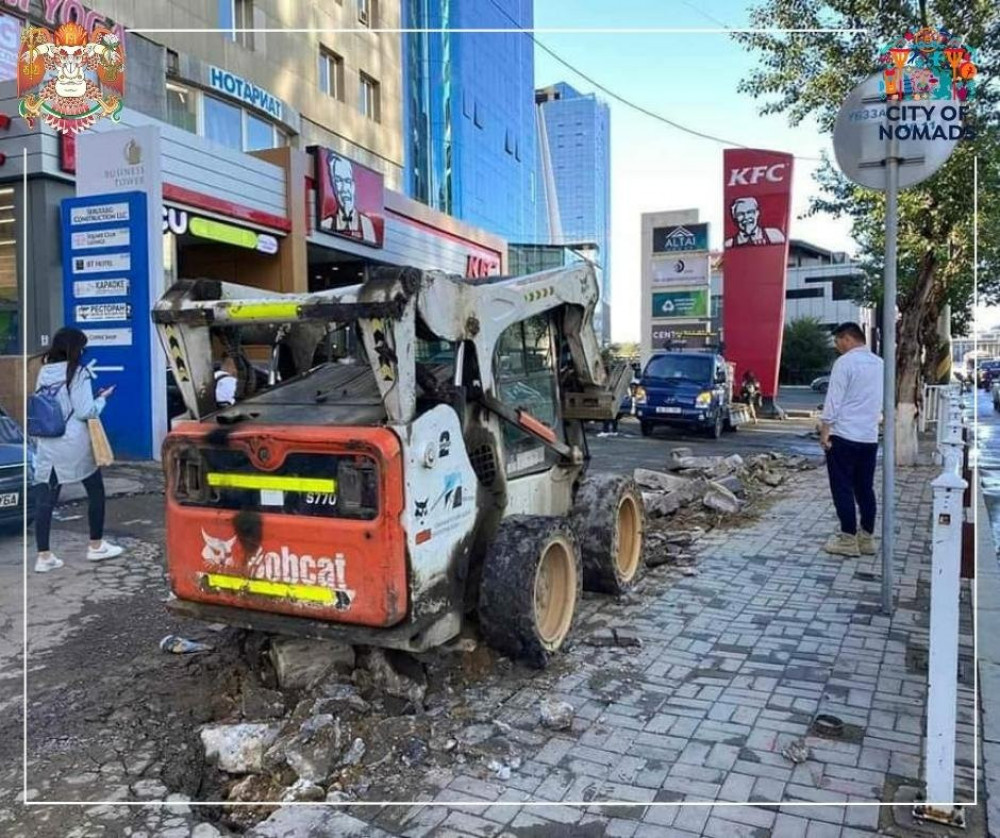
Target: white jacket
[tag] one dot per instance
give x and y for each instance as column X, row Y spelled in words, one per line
column 70, row 455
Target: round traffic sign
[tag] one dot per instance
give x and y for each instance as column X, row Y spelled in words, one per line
column 927, row 132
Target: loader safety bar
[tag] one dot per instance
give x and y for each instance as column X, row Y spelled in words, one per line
column 241, row 312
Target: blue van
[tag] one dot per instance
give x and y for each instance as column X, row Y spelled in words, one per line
column 686, row 390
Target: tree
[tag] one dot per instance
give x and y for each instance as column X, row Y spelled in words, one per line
column 809, row 76
column 806, row 351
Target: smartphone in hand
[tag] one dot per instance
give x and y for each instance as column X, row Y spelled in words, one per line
column 107, row 391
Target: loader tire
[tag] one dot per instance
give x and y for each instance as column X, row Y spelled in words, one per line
column 609, row 519
column 530, row 587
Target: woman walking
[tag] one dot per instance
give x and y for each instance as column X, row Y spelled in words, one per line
column 70, row 458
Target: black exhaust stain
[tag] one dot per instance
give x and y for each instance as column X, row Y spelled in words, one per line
column 248, row 526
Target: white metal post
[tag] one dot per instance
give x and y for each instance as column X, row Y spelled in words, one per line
column 942, row 671
column 889, row 379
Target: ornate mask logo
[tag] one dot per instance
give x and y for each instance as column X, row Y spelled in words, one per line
column 68, row 80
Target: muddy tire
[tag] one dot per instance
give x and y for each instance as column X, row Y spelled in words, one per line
column 530, row 587
column 609, row 519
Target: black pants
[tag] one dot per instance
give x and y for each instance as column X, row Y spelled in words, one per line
column 851, row 466
column 48, row 497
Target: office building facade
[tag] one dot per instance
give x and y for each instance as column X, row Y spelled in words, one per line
column 469, row 123
column 575, row 173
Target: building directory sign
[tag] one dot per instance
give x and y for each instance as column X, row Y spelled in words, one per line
column 674, row 335
column 688, row 304
column 105, row 246
column 680, row 238
column 684, row 268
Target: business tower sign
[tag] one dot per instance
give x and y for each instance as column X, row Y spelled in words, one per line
column 757, row 194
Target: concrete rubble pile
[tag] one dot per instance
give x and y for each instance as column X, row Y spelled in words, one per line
column 361, row 723
column 704, row 489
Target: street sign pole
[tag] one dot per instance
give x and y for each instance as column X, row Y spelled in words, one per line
column 889, row 381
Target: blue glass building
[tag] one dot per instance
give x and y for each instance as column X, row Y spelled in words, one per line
column 469, row 113
column 574, row 174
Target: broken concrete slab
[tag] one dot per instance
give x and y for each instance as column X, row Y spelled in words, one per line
column 397, row 674
column 676, row 463
column 721, row 499
column 205, row 830
column 621, row 637
column 734, row 484
column 239, row 748
column 313, row 749
column 659, row 481
column 660, row 505
column 769, row 477
column 302, row 791
column 313, row 820
column 556, row 715
column 300, row 662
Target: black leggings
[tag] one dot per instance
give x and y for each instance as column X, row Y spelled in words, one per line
column 48, row 497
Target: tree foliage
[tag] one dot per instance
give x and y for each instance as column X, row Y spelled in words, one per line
column 808, row 76
column 806, row 351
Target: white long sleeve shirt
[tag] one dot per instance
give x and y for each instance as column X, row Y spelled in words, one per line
column 853, row 404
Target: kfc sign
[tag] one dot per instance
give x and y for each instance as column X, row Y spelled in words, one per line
column 350, row 199
column 478, row 266
column 751, row 175
column 757, row 194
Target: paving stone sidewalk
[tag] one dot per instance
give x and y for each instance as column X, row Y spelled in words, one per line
column 736, row 662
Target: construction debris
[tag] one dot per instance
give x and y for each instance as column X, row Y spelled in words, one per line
column 796, row 751
column 239, row 748
column 624, row 638
column 556, row 715
column 720, row 499
column 300, row 663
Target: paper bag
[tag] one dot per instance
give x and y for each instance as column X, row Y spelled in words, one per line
column 103, row 454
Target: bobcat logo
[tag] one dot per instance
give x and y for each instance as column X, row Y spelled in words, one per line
column 218, row 551
column 420, row 509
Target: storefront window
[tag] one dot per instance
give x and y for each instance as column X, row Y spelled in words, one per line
column 9, row 324
column 260, row 133
column 182, row 110
column 10, row 43
column 223, row 123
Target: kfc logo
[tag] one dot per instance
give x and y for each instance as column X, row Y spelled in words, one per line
column 745, row 212
column 751, row 175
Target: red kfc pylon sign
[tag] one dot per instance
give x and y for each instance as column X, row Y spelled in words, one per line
column 757, row 192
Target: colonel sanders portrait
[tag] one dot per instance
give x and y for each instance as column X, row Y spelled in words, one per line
column 348, row 220
column 746, row 213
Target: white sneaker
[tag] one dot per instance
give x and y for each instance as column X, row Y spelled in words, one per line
column 45, row 565
column 107, row 550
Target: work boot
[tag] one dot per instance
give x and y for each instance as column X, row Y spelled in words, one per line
column 842, row 544
column 866, row 543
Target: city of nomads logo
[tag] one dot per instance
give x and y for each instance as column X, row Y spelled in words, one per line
column 69, row 80
column 928, row 63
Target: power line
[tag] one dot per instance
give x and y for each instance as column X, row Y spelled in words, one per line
column 624, row 100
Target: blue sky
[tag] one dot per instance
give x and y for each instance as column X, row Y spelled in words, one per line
column 691, row 79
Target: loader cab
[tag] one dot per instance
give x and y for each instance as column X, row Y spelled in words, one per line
column 526, row 373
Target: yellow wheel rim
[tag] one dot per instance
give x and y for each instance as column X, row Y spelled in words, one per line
column 555, row 593
column 629, row 538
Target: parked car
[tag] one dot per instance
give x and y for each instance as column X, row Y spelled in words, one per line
column 821, row 384
column 988, row 372
column 995, row 392
column 686, row 390
column 14, row 501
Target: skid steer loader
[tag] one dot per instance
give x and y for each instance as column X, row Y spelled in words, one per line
column 418, row 456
